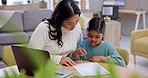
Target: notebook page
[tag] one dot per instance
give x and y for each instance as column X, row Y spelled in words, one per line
column 90, row 69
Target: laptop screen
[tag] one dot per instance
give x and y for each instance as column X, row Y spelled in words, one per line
column 24, row 58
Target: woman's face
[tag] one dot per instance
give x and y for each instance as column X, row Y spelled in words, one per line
column 94, row 37
column 71, row 22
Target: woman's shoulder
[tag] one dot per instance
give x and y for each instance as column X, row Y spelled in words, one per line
column 43, row 25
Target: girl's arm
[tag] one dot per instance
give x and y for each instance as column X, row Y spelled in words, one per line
column 114, row 57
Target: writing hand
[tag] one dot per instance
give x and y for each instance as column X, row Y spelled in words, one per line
column 79, row 52
column 67, row 61
column 98, row 59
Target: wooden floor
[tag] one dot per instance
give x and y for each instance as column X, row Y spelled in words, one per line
column 142, row 63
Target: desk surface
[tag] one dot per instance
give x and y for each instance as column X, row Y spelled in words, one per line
column 131, row 11
column 121, row 72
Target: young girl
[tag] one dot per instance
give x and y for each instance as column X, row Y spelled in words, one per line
column 94, row 48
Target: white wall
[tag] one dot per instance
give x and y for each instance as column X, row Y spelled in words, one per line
column 135, row 4
column 10, row 2
column 128, row 23
column 49, row 2
column 95, row 5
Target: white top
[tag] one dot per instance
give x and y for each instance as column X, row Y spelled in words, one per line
column 40, row 40
column 9, row 71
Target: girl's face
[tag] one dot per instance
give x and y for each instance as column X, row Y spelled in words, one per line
column 94, row 37
column 71, row 22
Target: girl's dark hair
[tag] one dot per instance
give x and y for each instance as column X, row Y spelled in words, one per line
column 65, row 9
column 97, row 24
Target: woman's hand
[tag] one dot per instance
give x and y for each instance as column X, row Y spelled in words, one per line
column 79, row 52
column 67, row 61
column 98, row 58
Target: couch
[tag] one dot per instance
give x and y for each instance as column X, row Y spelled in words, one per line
column 19, row 26
column 16, row 27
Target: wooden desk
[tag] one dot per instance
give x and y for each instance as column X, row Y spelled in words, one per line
column 121, row 72
column 137, row 13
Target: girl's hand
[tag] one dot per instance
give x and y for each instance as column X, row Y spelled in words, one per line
column 98, row 59
column 67, row 61
column 79, row 52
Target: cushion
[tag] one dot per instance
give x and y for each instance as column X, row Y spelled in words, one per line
column 124, row 54
column 141, row 45
column 84, row 19
column 14, row 23
column 7, row 56
column 32, row 17
column 29, row 33
column 18, row 37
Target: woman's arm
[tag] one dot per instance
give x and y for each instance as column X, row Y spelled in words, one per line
column 39, row 37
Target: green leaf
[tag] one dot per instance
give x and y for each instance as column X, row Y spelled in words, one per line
column 47, row 70
column 6, row 75
column 112, row 71
column 14, row 75
column 23, row 74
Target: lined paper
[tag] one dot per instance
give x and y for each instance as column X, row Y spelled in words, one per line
column 90, row 69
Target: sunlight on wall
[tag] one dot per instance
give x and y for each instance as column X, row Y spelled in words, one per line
column 10, row 2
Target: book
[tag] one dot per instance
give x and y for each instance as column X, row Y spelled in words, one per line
column 90, row 69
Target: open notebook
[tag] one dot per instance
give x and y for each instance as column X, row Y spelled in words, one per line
column 90, row 69
column 23, row 61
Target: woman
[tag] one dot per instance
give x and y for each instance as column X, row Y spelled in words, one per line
column 60, row 34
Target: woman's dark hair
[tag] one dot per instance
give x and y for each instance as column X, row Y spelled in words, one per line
column 97, row 24
column 64, row 10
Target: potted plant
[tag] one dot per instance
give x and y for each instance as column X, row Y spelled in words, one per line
column 45, row 71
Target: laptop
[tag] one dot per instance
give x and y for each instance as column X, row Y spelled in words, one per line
column 23, row 58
